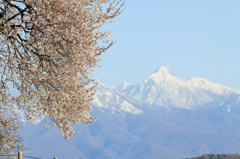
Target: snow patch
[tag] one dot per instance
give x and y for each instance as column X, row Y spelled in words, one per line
column 127, row 107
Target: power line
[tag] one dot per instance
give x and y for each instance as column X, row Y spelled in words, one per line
column 22, row 155
column 30, row 157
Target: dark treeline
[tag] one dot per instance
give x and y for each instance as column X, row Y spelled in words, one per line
column 218, row 156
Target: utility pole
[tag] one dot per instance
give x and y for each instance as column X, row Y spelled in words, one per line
column 19, row 155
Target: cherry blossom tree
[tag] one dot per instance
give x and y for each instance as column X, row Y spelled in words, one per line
column 48, row 49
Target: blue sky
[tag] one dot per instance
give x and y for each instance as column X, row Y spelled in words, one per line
column 194, row 38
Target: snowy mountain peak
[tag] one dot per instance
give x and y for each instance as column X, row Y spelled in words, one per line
column 163, row 88
column 204, row 84
column 163, row 69
column 163, row 72
column 123, row 86
column 162, row 75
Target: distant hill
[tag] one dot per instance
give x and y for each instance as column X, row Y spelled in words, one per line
column 212, row 156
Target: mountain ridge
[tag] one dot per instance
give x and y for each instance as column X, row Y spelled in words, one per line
column 163, row 85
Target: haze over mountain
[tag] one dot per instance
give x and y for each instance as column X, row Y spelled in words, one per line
column 164, row 116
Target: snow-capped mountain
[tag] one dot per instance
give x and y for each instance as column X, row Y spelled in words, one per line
column 163, row 117
column 165, row 89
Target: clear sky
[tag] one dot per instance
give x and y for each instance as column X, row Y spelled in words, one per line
column 194, row 38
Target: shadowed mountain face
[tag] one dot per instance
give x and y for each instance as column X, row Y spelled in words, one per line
column 161, row 117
